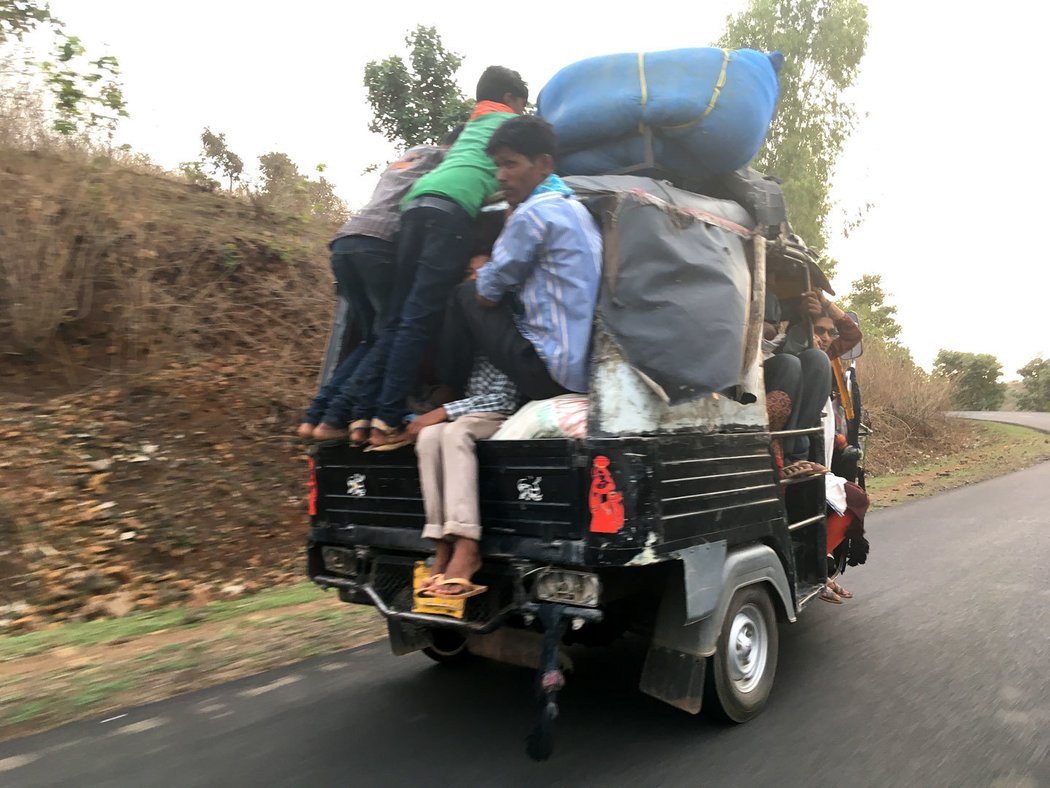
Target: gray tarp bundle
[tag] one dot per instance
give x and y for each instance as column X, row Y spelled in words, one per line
column 676, row 283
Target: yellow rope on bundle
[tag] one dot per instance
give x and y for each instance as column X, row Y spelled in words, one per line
column 719, row 84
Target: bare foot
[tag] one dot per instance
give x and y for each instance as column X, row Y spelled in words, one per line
column 466, row 560
column 305, row 431
column 326, row 432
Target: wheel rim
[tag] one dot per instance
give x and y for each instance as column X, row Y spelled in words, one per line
column 747, row 648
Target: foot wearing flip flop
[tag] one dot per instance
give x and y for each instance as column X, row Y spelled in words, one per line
column 387, row 438
column 326, row 432
column 842, row 592
column 801, row 469
column 830, row 596
column 305, row 430
column 360, row 430
column 456, row 584
column 442, row 555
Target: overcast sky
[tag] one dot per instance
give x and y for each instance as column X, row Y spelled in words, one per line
column 950, row 101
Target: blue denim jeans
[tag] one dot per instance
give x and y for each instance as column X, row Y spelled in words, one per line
column 806, row 378
column 433, row 250
column 364, row 273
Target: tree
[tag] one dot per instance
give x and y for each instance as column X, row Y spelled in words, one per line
column 18, row 17
column 285, row 189
column 222, row 159
column 1035, row 380
column 87, row 94
column 417, row 103
column 974, row 378
column 878, row 320
column 823, row 42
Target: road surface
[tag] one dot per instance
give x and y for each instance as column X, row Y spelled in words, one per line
column 1037, row 421
column 936, row 674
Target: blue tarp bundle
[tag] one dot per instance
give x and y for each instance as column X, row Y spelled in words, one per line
column 704, row 111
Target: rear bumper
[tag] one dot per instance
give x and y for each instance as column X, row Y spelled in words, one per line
column 493, row 545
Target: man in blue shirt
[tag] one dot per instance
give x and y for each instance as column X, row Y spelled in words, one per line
column 531, row 309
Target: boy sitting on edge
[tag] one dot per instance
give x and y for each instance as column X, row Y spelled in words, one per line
column 525, row 325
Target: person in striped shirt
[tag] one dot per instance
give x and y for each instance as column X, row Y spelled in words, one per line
column 531, row 309
column 524, row 323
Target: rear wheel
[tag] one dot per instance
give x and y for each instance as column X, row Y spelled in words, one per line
column 448, row 648
column 745, row 661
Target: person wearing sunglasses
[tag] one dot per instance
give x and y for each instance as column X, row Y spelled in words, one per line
column 834, row 331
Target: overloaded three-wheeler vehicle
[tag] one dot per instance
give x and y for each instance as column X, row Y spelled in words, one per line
column 665, row 518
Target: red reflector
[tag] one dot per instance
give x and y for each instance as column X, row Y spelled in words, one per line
column 605, row 500
column 312, row 500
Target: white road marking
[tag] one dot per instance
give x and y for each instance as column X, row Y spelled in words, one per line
column 110, row 719
column 335, row 666
column 17, row 761
column 143, row 725
column 255, row 691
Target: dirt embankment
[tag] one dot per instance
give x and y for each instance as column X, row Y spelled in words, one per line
column 157, row 343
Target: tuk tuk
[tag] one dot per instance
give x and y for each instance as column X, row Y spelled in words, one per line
column 668, row 519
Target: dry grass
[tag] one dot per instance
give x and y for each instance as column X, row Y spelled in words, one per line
column 906, row 408
column 129, row 268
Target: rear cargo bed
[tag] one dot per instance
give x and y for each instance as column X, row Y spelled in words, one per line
column 533, row 497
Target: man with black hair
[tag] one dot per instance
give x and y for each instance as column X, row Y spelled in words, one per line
column 523, row 325
column 531, row 309
column 362, row 259
column 433, row 250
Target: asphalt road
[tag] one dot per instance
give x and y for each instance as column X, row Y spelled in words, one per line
column 1037, row 421
column 935, row 674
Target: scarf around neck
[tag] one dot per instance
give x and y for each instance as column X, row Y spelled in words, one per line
column 554, row 184
column 487, row 107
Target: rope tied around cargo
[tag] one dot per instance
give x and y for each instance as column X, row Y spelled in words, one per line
column 719, row 84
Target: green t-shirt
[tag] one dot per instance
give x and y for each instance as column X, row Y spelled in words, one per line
column 467, row 175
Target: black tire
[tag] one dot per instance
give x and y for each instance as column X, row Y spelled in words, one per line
column 739, row 682
column 448, row 648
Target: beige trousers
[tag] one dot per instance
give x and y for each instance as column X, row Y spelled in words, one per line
column 448, row 474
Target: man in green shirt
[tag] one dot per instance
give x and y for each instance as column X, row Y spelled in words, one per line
column 434, row 246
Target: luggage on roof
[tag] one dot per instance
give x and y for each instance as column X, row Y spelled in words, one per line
column 698, row 112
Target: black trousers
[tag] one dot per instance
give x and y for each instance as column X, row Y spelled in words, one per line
column 806, row 378
column 470, row 329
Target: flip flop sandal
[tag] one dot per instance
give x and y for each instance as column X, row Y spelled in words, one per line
column 801, row 469
column 395, row 436
column 842, row 592
column 361, row 425
column 796, row 470
column 430, row 581
column 469, row 589
column 830, row 596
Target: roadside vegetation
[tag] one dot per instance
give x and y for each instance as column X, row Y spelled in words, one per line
column 86, row 669
column 160, row 332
